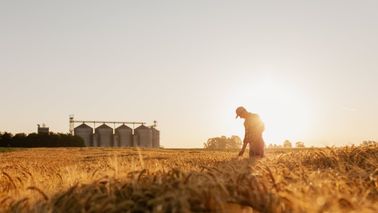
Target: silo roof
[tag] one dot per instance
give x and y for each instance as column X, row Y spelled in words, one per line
column 142, row 127
column 83, row 126
column 104, row 126
column 123, row 126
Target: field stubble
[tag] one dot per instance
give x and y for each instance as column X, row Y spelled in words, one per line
column 133, row 180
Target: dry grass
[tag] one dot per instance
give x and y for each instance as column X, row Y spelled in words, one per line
column 132, row 180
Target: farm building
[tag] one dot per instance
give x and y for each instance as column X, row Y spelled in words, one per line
column 155, row 137
column 122, row 136
column 143, row 136
column 104, row 136
column 86, row 133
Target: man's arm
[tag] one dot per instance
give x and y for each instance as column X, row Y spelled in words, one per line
column 243, row 148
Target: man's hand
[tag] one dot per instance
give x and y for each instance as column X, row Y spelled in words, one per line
column 243, row 148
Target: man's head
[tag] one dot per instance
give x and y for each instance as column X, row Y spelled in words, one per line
column 241, row 112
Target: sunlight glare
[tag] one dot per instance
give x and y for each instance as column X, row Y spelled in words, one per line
column 285, row 111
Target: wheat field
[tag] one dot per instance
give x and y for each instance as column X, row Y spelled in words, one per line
column 167, row 180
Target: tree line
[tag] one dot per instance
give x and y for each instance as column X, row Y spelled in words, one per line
column 288, row 144
column 40, row 140
column 223, row 142
column 234, row 142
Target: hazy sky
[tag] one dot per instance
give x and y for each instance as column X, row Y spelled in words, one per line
column 309, row 68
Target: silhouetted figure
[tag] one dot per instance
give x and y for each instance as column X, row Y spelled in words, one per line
column 254, row 128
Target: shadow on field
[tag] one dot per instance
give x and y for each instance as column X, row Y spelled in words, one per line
column 326, row 180
column 224, row 186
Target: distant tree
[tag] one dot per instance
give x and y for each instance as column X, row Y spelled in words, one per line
column 287, row 144
column 368, row 143
column 299, row 144
column 234, row 142
column 19, row 140
column 71, row 140
column 5, row 139
column 40, row 140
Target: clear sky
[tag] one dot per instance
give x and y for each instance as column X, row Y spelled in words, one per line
column 309, row 68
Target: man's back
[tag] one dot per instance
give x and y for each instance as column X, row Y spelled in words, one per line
column 253, row 125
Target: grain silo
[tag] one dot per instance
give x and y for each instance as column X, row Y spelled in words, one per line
column 104, row 136
column 124, row 136
column 86, row 133
column 155, row 138
column 143, row 136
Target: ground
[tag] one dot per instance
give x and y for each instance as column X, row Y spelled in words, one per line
column 167, row 180
column 3, row 149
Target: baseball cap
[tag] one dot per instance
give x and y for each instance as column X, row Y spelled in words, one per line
column 240, row 110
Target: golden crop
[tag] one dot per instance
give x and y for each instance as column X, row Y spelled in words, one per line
column 133, row 180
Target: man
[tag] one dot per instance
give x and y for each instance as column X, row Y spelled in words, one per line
column 254, row 128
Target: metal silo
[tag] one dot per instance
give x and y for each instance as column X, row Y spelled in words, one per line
column 104, row 135
column 86, row 133
column 155, row 138
column 124, row 136
column 143, row 136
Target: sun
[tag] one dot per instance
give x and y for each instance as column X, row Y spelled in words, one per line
column 285, row 110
